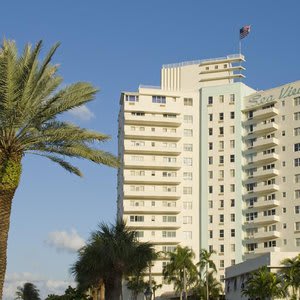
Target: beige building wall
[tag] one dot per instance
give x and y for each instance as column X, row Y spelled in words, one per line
column 159, row 145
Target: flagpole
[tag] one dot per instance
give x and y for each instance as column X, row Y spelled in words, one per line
column 240, row 46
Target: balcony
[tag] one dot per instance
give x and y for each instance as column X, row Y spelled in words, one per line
column 262, row 128
column 262, row 159
column 152, row 150
column 262, row 143
column 148, row 194
column 148, row 179
column 152, row 164
column 266, row 219
column 265, row 113
column 265, row 189
column 264, row 174
column 262, row 250
column 153, row 135
column 149, row 119
column 267, row 235
column 128, row 209
column 261, row 203
column 148, row 225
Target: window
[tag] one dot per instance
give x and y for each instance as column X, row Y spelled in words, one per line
column 298, row 242
column 221, row 248
column 188, row 132
column 232, row 188
column 210, row 100
column 210, row 204
column 232, row 202
column 210, row 189
column 158, row 99
column 297, row 131
column 297, row 194
column 221, row 203
column 221, row 159
column 221, row 98
column 136, row 218
column 221, row 130
column 221, row 189
column 187, row 220
column 297, row 178
column 139, row 234
column 232, row 144
column 283, row 118
column 297, row 116
column 187, row 205
column 297, row 162
column 210, row 146
column 187, row 176
column 210, row 131
column 232, row 98
column 188, row 101
column 210, row 160
column 210, row 219
column 232, row 232
column 169, row 219
column 210, row 174
column 132, row 98
column 231, row 129
column 187, row 235
column 232, row 217
column 297, row 209
column 232, row 172
column 232, row 247
column 296, row 101
column 233, row 262
column 297, row 226
column 168, row 234
column 221, row 145
column 210, row 234
column 187, row 161
column 232, row 115
column 221, row 174
column 221, row 116
column 187, row 190
column 232, row 158
column 221, row 218
column 188, row 119
column 210, row 117
column 297, row 147
column 188, row 147
column 221, row 233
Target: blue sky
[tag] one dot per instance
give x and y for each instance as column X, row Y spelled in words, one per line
column 116, row 45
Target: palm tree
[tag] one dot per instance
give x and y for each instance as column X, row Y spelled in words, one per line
column 181, row 269
column 264, row 284
column 30, row 102
column 291, row 274
column 205, row 263
column 28, row 292
column 210, row 284
column 112, row 254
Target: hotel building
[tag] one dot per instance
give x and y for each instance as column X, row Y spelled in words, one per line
column 200, row 163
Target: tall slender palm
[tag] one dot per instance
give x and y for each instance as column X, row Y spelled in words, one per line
column 265, row 285
column 214, row 287
column 291, row 274
column 30, row 102
column 181, row 269
column 28, row 292
column 206, row 263
column 112, row 253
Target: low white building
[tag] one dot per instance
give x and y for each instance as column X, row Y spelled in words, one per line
column 237, row 275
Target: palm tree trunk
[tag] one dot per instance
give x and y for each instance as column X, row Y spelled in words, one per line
column 113, row 288
column 10, row 172
column 207, row 293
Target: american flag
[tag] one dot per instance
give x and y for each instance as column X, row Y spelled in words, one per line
column 244, row 31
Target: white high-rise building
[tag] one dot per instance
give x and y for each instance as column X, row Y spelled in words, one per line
column 200, row 163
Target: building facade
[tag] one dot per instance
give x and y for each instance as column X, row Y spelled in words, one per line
column 208, row 162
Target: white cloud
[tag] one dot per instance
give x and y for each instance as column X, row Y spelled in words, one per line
column 82, row 112
column 65, row 241
column 46, row 286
